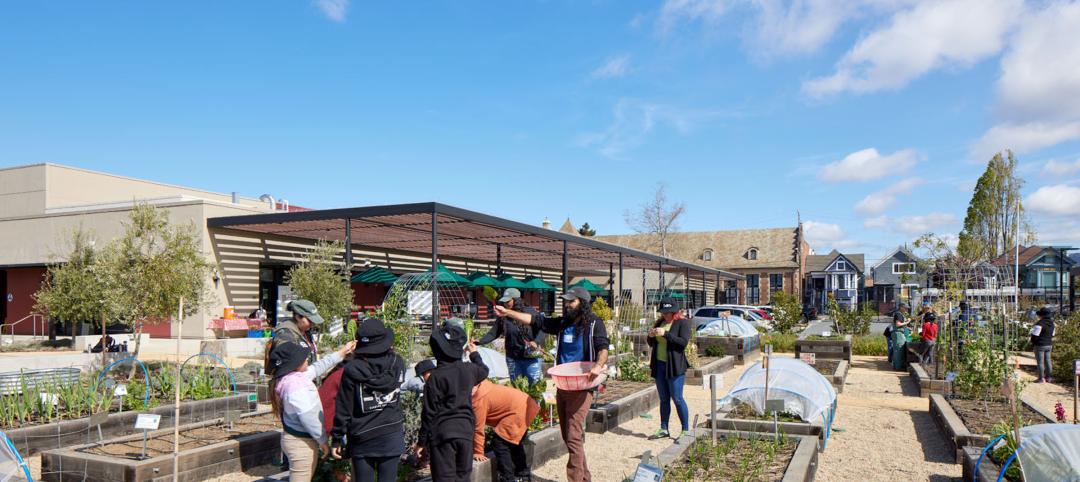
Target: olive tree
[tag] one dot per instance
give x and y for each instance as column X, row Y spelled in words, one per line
column 71, row 290
column 320, row 277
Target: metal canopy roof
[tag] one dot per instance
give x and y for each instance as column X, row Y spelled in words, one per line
column 461, row 233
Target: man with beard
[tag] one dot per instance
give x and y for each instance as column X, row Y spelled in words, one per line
column 582, row 338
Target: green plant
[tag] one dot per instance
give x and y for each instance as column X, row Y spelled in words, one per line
column 536, row 391
column 633, row 369
column 787, row 311
column 874, row 345
column 781, row 342
column 1066, row 346
column 714, row 351
column 601, row 309
column 980, row 369
column 1007, row 448
column 851, row 322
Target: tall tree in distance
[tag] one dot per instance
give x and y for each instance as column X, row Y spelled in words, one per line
column 994, row 212
column 657, row 217
column 586, row 230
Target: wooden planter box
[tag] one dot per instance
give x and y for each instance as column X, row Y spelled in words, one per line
column 801, row 468
column 743, row 349
column 828, row 349
column 201, row 463
column 260, row 389
column 815, row 430
column 988, row 469
column 928, row 385
column 614, row 413
column 838, row 376
column 37, row 438
column 696, row 376
column 957, row 433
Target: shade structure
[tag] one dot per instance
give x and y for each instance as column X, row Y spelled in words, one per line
column 375, row 275
column 589, row 286
column 507, row 281
column 480, row 280
column 536, row 284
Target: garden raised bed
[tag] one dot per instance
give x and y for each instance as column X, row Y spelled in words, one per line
column 36, row 438
column 726, row 419
column 835, row 349
column 988, row 469
column 835, row 371
column 540, row 447
column 208, row 450
column 801, row 467
column 695, row 376
column 952, row 424
column 260, row 389
column 743, row 349
column 620, row 402
column 928, row 385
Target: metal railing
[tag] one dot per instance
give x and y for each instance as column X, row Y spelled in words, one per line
column 33, row 317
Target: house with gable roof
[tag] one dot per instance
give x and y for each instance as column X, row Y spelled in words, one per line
column 836, row 275
column 897, row 277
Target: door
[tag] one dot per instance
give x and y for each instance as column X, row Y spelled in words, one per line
column 3, row 293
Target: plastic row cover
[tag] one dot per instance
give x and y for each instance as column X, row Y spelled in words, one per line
column 728, row 326
column 805, row 392
column 1050, row 451
column 12, row 466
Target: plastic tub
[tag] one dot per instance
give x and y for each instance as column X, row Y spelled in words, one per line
column 574, row 376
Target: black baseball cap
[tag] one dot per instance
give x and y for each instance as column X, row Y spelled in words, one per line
column 668, row 305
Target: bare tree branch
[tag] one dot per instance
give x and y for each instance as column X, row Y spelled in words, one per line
column 656, row 218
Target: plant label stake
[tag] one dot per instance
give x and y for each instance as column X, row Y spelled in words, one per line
column 98, row 419
column 120, row 391
column 808, row 358
column 712, row 406
column 147, row 422
column 647, row 472
column 775, row 406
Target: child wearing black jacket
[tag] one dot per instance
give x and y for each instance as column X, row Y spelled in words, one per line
column 447, row 422
column 368, row 419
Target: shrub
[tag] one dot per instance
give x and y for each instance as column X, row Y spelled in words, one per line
column 781, row 342
column 715, row 351
column 980, row 369
column 787, row 311
column 1066, row 346
column 601, row 309
column 873, row 345
column 633, row 370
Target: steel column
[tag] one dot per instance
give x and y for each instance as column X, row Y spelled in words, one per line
column 434, row 267
column 348, row 247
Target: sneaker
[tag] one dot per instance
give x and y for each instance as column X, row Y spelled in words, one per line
column 1038, row 380
column 662, row 433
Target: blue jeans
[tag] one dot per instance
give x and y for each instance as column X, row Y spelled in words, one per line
column 1042, row 361
column 524, row 367
column 669, row 389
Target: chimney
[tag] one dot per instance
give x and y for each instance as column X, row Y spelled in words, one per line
column 546, row 223
column 235, row 197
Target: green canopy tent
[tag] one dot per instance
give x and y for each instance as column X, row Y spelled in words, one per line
column 444, row 276
column 507, row 281
column 376, row 275
column 589, row 286
column 536, row 284
column 480, row 280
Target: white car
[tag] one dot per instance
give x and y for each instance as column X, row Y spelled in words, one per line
column 707, row 314
column 747, row 313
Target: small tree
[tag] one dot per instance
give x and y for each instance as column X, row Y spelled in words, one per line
column 657, row 218
column 150, row 268
column 787, row 311
column 586, row 230
column 321, row 279
column 71, row 290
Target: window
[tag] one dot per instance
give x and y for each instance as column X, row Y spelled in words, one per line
column 903, row 268
column 707, row 313
column 707, row 255
column 841, row 265
column 776, row 282
column 751, row 254
column 753, row 289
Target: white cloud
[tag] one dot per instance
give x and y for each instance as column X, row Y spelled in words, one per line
column 633, row 121
column 1058, row 200
column 824, row 237
column 675, row 11
column 868, row 164
column 917, row 225
column 1039, row 88
column 879, row 222
column 333, row 9
column 613, row 68
column 878, row 202
column 1061, row 168
column 928, row 36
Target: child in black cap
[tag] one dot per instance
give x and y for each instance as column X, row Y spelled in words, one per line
column 446, row 425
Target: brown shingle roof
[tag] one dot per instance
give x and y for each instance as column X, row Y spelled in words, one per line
column 568, row 228
column 775, row 247
column 1027, row 253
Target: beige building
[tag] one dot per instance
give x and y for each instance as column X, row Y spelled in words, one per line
column 771, row 259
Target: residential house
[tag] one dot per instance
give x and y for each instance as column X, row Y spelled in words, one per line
column 1044, row 272
column 837, row 275
column 896, row 278
column 771, row 260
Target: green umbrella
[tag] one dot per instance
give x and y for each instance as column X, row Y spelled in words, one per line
column 446, row 277
column 375, row 275
column 536, row 284
column 589, row 286
column 678, row 295
column 480, row 280
column 507, row 281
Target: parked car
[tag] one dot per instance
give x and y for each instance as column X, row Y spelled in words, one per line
column 706, row 316
column 747, row 313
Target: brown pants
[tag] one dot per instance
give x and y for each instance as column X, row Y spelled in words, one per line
column 573, row 407
column 302, row 453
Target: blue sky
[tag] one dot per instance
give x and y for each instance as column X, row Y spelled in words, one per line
column 872, row 118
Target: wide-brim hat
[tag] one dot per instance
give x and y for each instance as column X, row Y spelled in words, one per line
column 424, row 366
column 1044, row 311
column 286, row 357
column 449, row 340
column 373, row 337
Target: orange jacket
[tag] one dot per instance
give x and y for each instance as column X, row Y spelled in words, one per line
column 509, row 411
